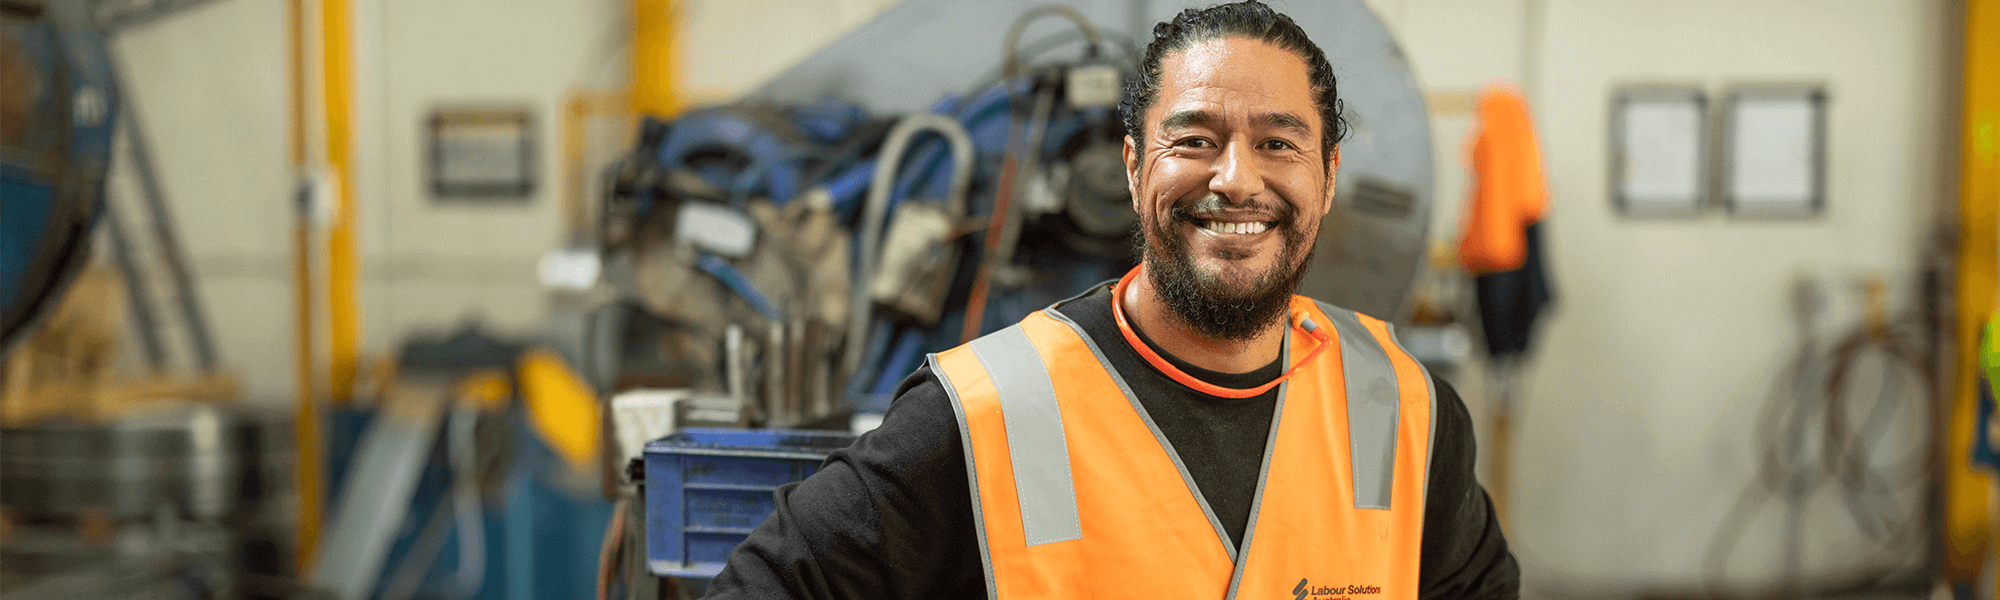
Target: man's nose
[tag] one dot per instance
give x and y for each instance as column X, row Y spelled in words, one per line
column 1237, row 176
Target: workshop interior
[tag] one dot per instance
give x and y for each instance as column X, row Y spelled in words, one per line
column 507, row 299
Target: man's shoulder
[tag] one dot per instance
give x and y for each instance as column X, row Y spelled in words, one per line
column 921, row 416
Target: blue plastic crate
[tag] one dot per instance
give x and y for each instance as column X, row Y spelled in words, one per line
column 707, row 488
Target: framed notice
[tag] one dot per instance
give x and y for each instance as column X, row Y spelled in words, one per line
column 1659, row 151
column 1775, row 156
column 482, row 153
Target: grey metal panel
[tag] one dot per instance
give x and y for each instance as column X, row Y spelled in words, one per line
column 1035, row 442
column 919, row 50
column 1373, row 407
column 1366, row 257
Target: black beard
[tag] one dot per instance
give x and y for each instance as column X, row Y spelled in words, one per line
column 1208, row 306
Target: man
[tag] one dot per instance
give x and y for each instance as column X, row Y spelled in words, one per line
column 1194, row 430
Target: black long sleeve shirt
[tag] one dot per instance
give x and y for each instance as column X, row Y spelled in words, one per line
column 891, row 515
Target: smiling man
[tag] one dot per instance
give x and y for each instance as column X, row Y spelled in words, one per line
column 1194, row 430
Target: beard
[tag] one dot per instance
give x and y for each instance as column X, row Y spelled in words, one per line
column 1203, row 301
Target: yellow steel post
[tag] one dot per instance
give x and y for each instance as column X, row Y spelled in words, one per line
column 1969, row 493
column 343, row 274
column 654, row 54
column 305, row 422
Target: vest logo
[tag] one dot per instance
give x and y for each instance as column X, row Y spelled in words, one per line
column 1305, row 590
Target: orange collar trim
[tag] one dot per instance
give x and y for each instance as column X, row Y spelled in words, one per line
column 1132, row 337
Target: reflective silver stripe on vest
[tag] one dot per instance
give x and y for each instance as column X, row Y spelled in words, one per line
column 971, row 472
column 1034, row 435
column 1372, row 406
column 1430, row 389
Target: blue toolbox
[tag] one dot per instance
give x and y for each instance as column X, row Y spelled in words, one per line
column 707, row 488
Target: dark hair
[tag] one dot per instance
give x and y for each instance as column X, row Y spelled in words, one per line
column 1250, row 19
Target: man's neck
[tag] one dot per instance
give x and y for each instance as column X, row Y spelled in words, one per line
column 1150, row 313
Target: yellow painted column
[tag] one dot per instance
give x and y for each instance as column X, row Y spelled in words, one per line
column 654, row 58
column 343, row 283
column 305, row 421
column 1969, row 492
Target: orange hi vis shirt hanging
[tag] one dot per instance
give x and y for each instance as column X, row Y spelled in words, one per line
column 1078, row 495
column 1508, row 190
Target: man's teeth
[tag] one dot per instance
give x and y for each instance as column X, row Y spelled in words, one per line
column 1228, row 227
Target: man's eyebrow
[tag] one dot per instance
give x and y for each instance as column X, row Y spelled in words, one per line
column 1281, row 120
column 1188, row 118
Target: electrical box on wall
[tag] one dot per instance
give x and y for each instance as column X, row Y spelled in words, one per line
column 482, row 153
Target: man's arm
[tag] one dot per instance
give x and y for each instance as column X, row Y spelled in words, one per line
column 1464, row 555
column 888, row 517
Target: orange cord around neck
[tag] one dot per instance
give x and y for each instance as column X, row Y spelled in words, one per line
column 1159, row 362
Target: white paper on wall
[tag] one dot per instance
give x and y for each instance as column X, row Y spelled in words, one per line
column 1662, row 152
column 1772, row 153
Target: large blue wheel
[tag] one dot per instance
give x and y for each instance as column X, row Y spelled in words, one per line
column 57, row 106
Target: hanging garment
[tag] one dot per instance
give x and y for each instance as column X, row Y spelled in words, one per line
column 1502, row 243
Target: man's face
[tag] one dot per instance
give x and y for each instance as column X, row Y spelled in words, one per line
column 1230, row 184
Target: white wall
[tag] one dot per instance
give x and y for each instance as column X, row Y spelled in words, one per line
column 1635, row 431
column 733, row 46
column 211, row 85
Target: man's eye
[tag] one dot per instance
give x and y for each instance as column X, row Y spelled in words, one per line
column 1195, row 143
column 1279, row 145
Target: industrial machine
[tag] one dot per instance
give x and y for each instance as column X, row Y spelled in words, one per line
column 182, row 503
column 742, row 215
column 475, row 474
column 1369, row 250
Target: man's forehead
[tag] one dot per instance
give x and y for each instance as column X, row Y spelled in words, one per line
column 1232, row 74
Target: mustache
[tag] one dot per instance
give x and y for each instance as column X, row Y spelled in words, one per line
column 1185, row 210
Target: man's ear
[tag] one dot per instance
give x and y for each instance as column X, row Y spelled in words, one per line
column 1131, row 155
column 1332, row 175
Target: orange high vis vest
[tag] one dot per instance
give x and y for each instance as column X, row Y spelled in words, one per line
column 1078, row 495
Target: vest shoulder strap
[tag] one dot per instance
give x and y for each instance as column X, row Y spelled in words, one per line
column 1036, row 443
column 1374, row 401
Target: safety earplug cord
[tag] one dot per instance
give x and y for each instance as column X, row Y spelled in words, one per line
column 1318, row 334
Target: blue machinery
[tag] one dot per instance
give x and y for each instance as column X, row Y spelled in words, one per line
column 420, row 477
column 1045, row 207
